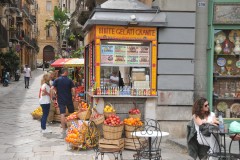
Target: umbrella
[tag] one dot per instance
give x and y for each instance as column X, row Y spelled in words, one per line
column 74, row 62
column 60, row 62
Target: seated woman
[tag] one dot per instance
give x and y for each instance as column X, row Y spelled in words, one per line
column 201, row 114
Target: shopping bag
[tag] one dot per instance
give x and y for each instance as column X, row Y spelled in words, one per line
column 234, row 127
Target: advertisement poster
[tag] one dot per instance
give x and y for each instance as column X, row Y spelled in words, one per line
column 143, row 52
column 107, row 52
column 120, row 54
column 132, row 55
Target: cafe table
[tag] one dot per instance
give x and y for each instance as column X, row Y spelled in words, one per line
column 222, row 143
column 149, row 134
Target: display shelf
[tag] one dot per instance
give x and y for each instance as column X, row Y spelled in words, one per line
column 226, row 76
column 225, row 55
column 227, row 99
column 119, row 96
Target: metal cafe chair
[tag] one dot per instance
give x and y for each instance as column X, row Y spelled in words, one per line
column 95, row 135
column 147, row 143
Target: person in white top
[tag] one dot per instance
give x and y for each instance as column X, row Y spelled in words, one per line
column 44, row 100
column 27, row 75
column 201, row 114
column 114, row 78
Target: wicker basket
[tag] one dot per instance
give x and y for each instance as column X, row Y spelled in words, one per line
column 85, row 115
column 98, row 120
column 129, row 135
column 135, row 115
column 36, row 116
column 112, row 132
column 107, row 114
column 130, row 128
column 69, row 123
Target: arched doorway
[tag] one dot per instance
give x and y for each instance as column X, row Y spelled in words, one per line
column 48, row 53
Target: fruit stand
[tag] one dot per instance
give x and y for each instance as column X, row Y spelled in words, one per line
column 111, row 125
column 121, row 68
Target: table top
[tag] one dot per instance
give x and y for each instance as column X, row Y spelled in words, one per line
column 149, row 134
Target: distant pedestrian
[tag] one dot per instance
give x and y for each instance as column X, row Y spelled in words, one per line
column 43, row 66
column 44, row 100
column 65, row 92
column 27, row 75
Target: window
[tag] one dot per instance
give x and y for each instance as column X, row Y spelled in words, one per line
column 48, row 32
column 127, row 62
column 48, row 5
column 226, row 67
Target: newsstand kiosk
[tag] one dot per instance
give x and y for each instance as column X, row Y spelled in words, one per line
column 121, row 68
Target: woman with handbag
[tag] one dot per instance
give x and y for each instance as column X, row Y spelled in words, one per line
column 201, row 116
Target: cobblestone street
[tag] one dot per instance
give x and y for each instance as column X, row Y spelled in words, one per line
column 20, row 137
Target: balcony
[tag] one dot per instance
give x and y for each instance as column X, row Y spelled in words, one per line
column 15, row 7
column 30, row 1
column 25, row 10
column 32, row 19
column 13, row 36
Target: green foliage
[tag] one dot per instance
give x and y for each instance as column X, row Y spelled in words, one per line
column 10, row 60
column 78, row 53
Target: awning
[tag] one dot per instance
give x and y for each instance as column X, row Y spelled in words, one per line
column 74, row 62
column 59, row 62
column 68, row 62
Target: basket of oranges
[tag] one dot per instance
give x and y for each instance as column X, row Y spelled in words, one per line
column 132, row 124
column 84, row 112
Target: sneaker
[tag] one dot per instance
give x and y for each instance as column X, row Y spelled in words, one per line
column 46, row 131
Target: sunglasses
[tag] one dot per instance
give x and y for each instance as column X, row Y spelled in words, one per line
column 205, row 105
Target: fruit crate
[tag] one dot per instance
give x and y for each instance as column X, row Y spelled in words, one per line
column 111, row 144
column 132, row 144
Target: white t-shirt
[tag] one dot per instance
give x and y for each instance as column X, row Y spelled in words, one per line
column 209, row 120
column 46, row 98
column 114, row 79
column 27, row 72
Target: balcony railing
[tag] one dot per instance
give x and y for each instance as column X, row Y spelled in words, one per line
column 30, row 1
column 25, row 9
column 32, row 18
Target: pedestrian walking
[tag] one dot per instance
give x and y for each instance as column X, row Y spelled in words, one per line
column 27, row 75
column 64, row 88
column 43, row 66
column 44, row 100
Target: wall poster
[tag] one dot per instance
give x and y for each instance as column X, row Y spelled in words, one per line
column 125, row 55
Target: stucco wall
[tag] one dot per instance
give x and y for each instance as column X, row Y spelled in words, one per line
column 176, row 63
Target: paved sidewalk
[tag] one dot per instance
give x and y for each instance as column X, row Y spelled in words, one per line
column 20, row 137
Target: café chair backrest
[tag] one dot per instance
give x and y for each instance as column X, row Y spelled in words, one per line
column 150, row 127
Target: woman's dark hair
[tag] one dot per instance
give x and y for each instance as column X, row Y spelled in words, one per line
column 197, row 108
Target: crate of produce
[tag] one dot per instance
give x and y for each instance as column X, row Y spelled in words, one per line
column 111, row 144
column 132, row 144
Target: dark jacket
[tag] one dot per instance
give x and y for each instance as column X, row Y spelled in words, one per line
column 194, row 148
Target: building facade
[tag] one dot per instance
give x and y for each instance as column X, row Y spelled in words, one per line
column 19, row 30
column 47, row 38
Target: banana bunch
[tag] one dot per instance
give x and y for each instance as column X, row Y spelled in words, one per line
column 109, row 109
column 37, row 113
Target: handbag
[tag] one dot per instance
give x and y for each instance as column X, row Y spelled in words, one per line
column 207, row 129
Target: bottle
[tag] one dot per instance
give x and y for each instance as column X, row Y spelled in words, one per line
column 221, row 123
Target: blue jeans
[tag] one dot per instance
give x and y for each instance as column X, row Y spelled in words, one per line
column 45, row 110
column 26, row 79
